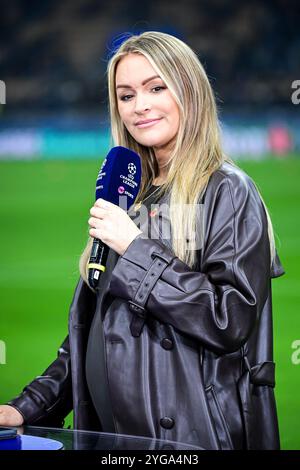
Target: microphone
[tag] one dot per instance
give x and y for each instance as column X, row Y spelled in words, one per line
column 119, row 175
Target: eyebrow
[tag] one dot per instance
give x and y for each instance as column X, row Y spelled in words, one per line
column 143, row 83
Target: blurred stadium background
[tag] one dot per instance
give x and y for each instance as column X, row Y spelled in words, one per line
column 54, row 133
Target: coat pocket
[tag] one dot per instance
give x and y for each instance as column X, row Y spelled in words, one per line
column 221, row 426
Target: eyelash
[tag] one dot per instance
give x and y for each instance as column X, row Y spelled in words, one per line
column 122, row 98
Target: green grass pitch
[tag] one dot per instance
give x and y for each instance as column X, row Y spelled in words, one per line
column 44, row 209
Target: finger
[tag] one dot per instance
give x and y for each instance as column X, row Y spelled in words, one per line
column 98, row 212
column 96, row 233
column 103, row 203
column 94, row 222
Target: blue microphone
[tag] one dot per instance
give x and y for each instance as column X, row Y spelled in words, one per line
column 119, row 176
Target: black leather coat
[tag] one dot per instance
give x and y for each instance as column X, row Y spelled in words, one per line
column 188, row 352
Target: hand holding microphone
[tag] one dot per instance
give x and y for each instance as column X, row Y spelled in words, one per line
column 118, row 182
column 112, row 225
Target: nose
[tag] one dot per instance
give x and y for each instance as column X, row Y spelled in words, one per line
column 141, row 103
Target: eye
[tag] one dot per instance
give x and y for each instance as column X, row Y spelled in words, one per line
column 159, row 88
column 124, row 98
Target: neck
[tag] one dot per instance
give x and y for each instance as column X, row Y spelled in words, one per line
column 162, row 168
column 159, row 180
column 162, row 155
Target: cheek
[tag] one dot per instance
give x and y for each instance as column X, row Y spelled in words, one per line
column 121, row 112
column 124, row 115
column 173, row 111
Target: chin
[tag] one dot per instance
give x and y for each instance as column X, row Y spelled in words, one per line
column 148, row 142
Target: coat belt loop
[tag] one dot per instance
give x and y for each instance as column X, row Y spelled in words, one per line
column 137, row 305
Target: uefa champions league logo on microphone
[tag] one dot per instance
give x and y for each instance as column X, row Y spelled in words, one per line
column 132, row 168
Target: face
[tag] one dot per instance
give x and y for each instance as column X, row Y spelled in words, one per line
column 142, row 98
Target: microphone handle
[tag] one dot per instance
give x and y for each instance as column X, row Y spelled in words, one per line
column 97, row 262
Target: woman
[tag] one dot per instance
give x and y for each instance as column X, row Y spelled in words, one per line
column 177, row 344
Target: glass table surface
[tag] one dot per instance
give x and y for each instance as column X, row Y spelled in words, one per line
column 91, row 440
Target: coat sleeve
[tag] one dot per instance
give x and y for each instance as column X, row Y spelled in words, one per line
column 47, row 400
column 220, row 305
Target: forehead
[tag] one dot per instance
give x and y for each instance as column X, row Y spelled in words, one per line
column 133, row 69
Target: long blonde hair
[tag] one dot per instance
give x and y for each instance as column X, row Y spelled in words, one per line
column 197, row 152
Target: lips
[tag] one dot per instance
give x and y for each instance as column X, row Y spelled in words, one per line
column 147, row 122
